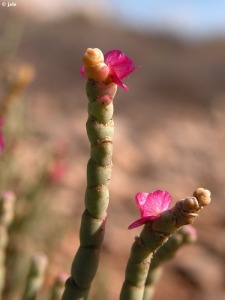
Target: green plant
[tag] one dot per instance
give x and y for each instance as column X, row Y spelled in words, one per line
column 164, row 231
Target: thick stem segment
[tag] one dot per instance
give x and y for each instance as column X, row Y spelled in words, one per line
column 100, row 130
column 167, row 251
column 153, row 235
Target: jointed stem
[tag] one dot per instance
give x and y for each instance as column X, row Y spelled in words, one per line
column 7, row 203
column 100, row 130
column 153, row 235
column 35, row 277
column 184, row 235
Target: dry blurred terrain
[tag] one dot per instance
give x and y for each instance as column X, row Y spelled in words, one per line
column 169, row 135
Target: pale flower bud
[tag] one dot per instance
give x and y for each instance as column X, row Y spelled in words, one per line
column 92, row 57
column 203, row 196
column 94, row 65
column 190, row 204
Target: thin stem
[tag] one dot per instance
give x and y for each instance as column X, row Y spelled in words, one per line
column 35, row 276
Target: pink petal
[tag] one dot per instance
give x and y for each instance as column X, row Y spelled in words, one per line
column 142, row 221
column 2, row 144
column 112, row 56
column 157, row 202
column 123, row 68
column 82, row 72
column 141, row 200
column 120, row 66
column 116, row 79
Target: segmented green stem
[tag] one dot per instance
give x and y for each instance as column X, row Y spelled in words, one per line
column 166, row 252
column 7, row 201
column 35, row 276
column 153, row 235
column 100, row 130
column 58, row 286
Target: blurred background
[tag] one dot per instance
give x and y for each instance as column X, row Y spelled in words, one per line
column 169, row 132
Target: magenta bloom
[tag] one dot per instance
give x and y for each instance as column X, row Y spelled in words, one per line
column 1, row 137
column 120, row 66
column 151, row 205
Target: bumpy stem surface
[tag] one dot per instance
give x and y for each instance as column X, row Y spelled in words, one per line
column 184, row 235
column 7, row 201
column 35, row 277
column 153, row 235
column 100, row 130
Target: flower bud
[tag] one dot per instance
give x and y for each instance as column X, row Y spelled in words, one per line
column 94, row 65
column 92, row 57
column 203, row 196
column 190, row 204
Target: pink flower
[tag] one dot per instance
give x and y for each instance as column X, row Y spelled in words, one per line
column 151, row 205
column 2, row 143
column 57, row 171
column 120, row 66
